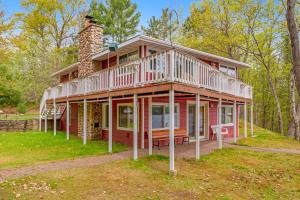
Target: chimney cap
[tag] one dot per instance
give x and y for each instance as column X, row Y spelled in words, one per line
column 90, row 19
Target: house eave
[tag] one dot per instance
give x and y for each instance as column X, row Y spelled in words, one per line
column 201, row 54
column 66, row 70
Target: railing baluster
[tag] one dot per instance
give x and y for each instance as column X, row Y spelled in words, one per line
column 169, row 65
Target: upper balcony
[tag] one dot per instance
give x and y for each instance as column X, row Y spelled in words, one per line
column 168, row 66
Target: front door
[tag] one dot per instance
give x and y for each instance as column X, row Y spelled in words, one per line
column 191, row 121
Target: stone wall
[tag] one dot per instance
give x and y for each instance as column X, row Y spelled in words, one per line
column 94, row 120
column 19, row 125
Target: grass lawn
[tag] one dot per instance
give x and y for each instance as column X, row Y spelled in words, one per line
column 268, row 139
column 26, row 148
column 225, row 174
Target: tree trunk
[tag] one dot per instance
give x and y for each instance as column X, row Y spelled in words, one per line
column 293, row 129
column 294, row 37
column 277, row 102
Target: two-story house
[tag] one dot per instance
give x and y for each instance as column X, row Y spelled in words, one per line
column 147, row 93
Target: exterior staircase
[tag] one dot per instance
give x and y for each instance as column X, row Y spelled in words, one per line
column 49, row 111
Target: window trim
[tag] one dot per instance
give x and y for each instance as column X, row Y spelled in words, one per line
column 228, row 66
column 167, row 104
column 118, row 117
column 104, row 117
column 128, row 61
column 206, row 106
column 227, row 124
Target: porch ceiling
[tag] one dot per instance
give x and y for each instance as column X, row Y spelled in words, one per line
column 154, row 89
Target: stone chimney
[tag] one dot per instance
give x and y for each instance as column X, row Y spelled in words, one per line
column 90, row 42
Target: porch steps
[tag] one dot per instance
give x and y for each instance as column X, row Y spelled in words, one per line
column 60, row 109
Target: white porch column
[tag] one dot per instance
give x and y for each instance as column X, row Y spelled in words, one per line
column 84, row 121
column 171, row 129
column 245, row 120
column 143, row 124
column 46, row 118
column 135, row 127
column 150, row 144
column 40, row 119
column 110, row 124
column 220, row 143
column 54, row 117
column 234, row 122
column 197, row 119
column 68, row 120
column 251, row 119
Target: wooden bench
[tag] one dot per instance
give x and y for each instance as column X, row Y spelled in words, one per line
column 158, row 136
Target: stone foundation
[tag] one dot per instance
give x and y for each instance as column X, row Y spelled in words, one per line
column 94, row 120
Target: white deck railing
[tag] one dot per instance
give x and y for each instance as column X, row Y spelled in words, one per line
column 169, row 66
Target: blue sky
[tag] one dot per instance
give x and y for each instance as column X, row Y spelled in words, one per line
column 147, row 8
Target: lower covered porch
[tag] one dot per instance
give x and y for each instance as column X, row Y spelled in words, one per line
column 156, row 122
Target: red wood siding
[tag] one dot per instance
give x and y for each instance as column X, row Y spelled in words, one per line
column 64, row 78
column 126, row 136
column 112, row 62
column 213, row 118
column 214, row 64
column 74, row 120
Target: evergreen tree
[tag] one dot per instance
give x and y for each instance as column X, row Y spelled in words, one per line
column 161, row 27
column 119, row 17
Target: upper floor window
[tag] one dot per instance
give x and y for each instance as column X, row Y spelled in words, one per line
column 132, row 56
column 151, row 51
column 231, row 71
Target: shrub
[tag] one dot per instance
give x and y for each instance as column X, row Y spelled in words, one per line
column 22, row 108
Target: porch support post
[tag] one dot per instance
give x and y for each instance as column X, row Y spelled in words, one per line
column 46, row 118
column 143, row 122
column 171, row 134
column 197, row 117
column 251, row 120
column 40, row 118
column 54, row 117
column 234, row 122
column 135, row 128
column 84, row 121
column 150, row 142
column 110, row 125
column 220, row 143
column 245, row 120
column 68, row 120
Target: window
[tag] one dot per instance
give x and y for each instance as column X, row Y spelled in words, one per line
column 227, row 114
column 160, row 116
column 125, row 116
column 105, row 110
column 151, row 52
column 132, row 56
column 231, row 71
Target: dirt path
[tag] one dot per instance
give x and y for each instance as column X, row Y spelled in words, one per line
column 271, row 150
column 60, row 165
column 186, row 150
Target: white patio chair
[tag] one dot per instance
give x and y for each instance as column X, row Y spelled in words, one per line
column 224, row 132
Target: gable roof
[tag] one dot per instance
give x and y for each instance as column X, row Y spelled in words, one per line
column 66, row 70
column 142, row 39
column 146, row 40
